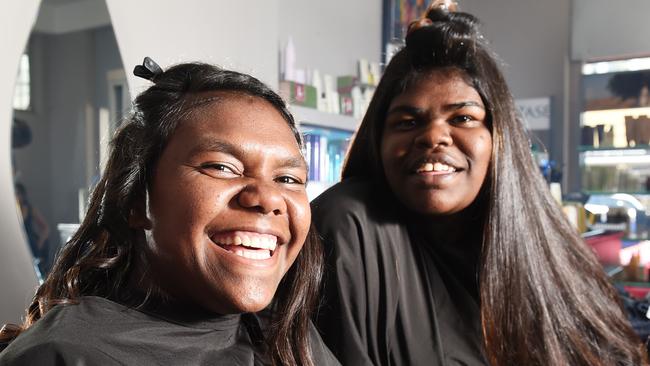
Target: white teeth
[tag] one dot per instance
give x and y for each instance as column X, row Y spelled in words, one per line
column 246, row 241
column 435, row 167
column 439, row 167
column 255, row 242
column 254, row 254
column 252, row 241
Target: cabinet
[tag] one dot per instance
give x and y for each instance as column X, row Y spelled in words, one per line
column 615, row 153
column 614, row 160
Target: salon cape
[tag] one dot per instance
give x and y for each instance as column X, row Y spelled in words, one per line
column 98, row 331
column 391, row 298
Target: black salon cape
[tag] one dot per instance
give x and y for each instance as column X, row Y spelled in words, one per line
column 391, row 299
column 98, row 331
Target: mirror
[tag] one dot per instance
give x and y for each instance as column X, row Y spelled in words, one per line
column 70, row 94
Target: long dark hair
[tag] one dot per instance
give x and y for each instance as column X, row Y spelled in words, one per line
column 100, row 257
column 545, row 299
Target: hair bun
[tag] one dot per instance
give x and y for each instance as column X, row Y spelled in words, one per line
column 442, row 35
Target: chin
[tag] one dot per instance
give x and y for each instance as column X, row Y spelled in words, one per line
column 250, row 301
column 253, row 305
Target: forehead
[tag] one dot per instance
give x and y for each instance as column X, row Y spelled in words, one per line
column 236, row 112
column 237, row 118
column 445, row 84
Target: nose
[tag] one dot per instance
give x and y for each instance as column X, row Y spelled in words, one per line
column 435, row 133
column 262, row 197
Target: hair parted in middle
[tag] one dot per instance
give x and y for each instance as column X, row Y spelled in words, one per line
column 544, row 297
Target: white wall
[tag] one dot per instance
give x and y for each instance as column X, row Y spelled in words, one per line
column 17, row 276
column 332, row 35
column 240, row 35
column 530, row 36
column 604, row 29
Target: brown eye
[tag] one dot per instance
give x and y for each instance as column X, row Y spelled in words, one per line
column 405, row 124
column 287, row 179
column 219, row 168
column 462, row 119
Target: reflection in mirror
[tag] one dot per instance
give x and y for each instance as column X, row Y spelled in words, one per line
column 69, row 96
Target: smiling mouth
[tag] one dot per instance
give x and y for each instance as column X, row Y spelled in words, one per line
column 436, row 168
column 246, row 244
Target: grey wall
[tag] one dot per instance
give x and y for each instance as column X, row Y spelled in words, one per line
column 531, row 37
column 332, row 35
column 70, row 88
column 32, row 161
column 68, row 76
column 107, row 58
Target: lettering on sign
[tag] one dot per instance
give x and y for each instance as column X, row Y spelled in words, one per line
column 536, row 112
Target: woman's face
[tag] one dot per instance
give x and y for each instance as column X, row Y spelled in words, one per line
column 227, row 212
column 436, row 145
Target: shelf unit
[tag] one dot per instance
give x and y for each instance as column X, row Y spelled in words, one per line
column 341, row 127
column 327, row 120
column 616, row 164
column 615, row 169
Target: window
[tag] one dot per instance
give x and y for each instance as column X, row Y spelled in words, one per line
column 22, row 92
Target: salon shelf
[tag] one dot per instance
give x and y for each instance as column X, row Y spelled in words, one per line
column 636, row 156
column 329, row 120
column 633, row 193
column 583, row 148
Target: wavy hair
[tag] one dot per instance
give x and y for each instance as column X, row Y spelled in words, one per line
column 99, row 259
column 545, row 299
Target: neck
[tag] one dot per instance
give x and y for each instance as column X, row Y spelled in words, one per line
column 462, row 229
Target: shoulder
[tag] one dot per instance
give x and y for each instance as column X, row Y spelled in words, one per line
column 350, row 192
column 321, row 355
column 357, row 219
column 67, row 334
column 352, row 198
column 55, row 353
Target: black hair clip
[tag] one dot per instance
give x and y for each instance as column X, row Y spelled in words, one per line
column 149, row 70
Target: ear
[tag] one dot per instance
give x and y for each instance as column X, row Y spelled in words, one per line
column 138, row 218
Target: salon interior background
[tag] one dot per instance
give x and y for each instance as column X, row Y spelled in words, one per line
column 542, row 43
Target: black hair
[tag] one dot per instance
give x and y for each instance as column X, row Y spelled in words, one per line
column 544, row 298
column 99, row 259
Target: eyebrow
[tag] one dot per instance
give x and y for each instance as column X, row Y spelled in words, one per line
column 297, row 161
column 214, row 146
column 448, row 107
column 459, row 105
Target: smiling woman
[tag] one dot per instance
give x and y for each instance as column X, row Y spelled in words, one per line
column 197, row 244
column 444, row 244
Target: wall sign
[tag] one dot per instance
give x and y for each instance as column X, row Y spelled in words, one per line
column 535, row 112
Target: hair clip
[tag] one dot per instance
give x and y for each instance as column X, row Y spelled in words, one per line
column 446, row 5
column 149, row 70
column 437, row 5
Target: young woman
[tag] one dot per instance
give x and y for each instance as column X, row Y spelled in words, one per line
column 444, row 244
column 197, row 224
